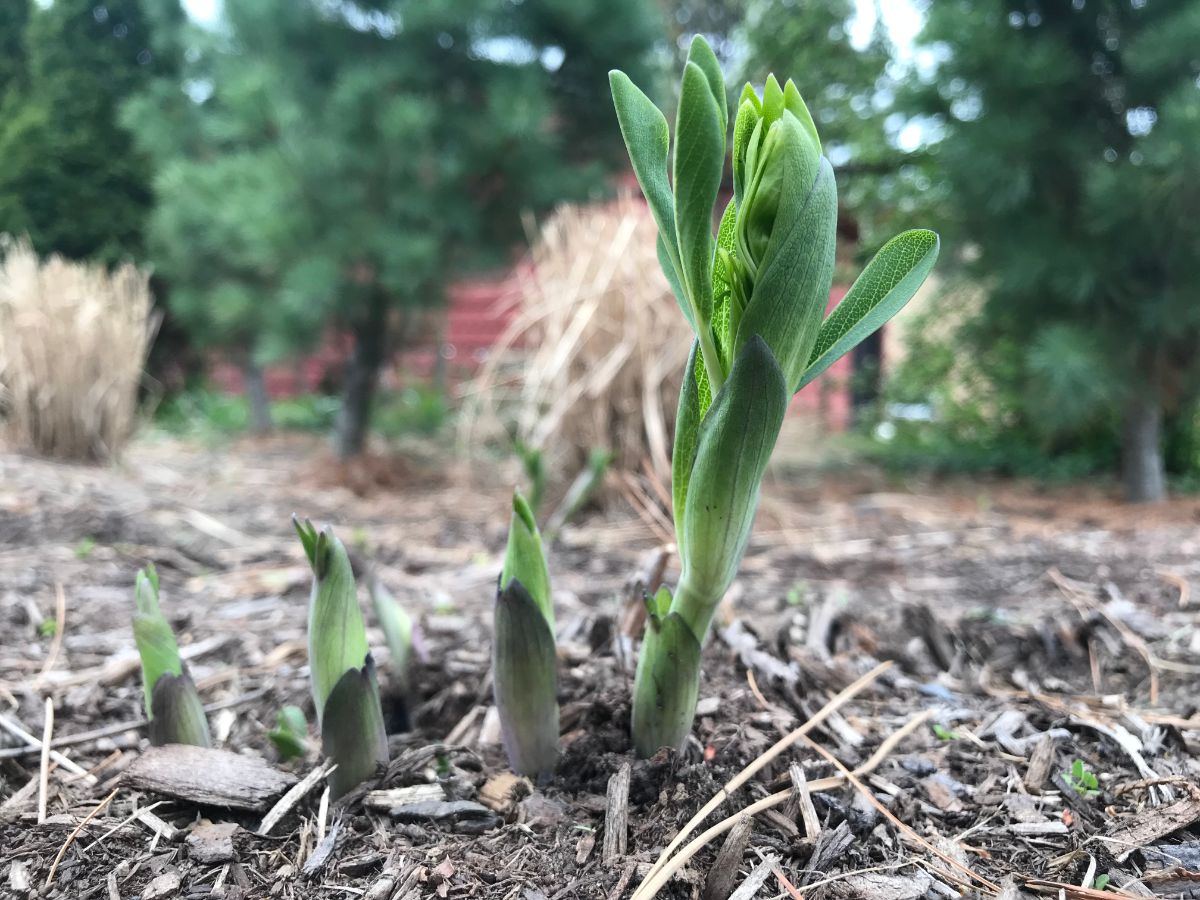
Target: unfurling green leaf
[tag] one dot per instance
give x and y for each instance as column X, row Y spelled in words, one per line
column 337, row 639
column 353, row 734
column 885, row 285
column 177, row 715
column 525, row 681
column 699, row 159
column 648, row 140
column 290, row 734
column 667, row 683
column 525, row 558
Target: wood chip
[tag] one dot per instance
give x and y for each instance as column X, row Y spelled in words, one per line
column 503, row 792
column 208, row 777
column 882, row 886
column 616, row 816
column 393, row 797
column 294, row 796
column 801, row 802
column 1041, row 762
column 162, row 828
column 754, row 881
column 320, row 856
column 165, row 885
column 584, row 847
column 719, row 883
column 1135, row 832
column 466, row 816
column 211, row 843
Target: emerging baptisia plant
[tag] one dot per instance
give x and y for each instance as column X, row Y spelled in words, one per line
column 755, row 295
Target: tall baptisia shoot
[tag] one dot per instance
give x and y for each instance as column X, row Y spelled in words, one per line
column 755, row 294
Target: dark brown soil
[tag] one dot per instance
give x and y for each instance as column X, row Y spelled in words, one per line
column 1014, row 618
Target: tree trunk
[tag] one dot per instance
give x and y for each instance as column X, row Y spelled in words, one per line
column 256, row 395
column 362, row 376
column 1142, row 451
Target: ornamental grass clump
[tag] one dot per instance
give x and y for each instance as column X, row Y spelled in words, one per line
column 524, row 676
column 754, row 294
column 344, row 686
column 172, row 703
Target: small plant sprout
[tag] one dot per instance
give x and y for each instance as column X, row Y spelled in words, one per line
column 1082, row 779
column 345, row 690
column 524, row 674
column 397, row 628
column 290, row 734
column 172, row 704
column 755, row 295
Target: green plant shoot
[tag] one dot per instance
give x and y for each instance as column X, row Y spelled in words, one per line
column 397, row 628
column 755, row 295
column 344, row 686
column 290, row 734
column 172, row 703
column 524, row 677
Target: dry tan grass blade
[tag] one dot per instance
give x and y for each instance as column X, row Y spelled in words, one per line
column 596, row 351
column 778, row 747
column 658, row 877
column 73, row 342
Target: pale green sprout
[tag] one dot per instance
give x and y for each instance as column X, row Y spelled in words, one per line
column 344, row 686
column 172, row 704
column 397, row 628
column 524, row 676
column 755, row 295
column 290, row 734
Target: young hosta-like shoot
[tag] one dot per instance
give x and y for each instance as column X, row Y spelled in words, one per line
column 172, row 704
column 523, row 656
column 755, row 294
column 344, row 686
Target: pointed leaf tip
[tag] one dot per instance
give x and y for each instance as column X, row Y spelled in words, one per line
column 888, row 282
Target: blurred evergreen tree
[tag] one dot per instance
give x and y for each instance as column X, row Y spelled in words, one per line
column 14, row 19
column 335, row 165
column 69, row 175
column 1067, row 138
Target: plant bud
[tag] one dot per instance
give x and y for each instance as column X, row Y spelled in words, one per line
column 337, row 638
column 345, row 690
column 525, row 558
column 525, row 681
column 172, row 703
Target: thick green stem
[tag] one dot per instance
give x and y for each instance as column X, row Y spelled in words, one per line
column 667, row 684
column 696, row 605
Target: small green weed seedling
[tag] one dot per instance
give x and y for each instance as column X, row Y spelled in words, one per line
column 942, row 733
column 1082, row 779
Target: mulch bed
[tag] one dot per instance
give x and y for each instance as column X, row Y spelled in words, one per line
column 1035, row 640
